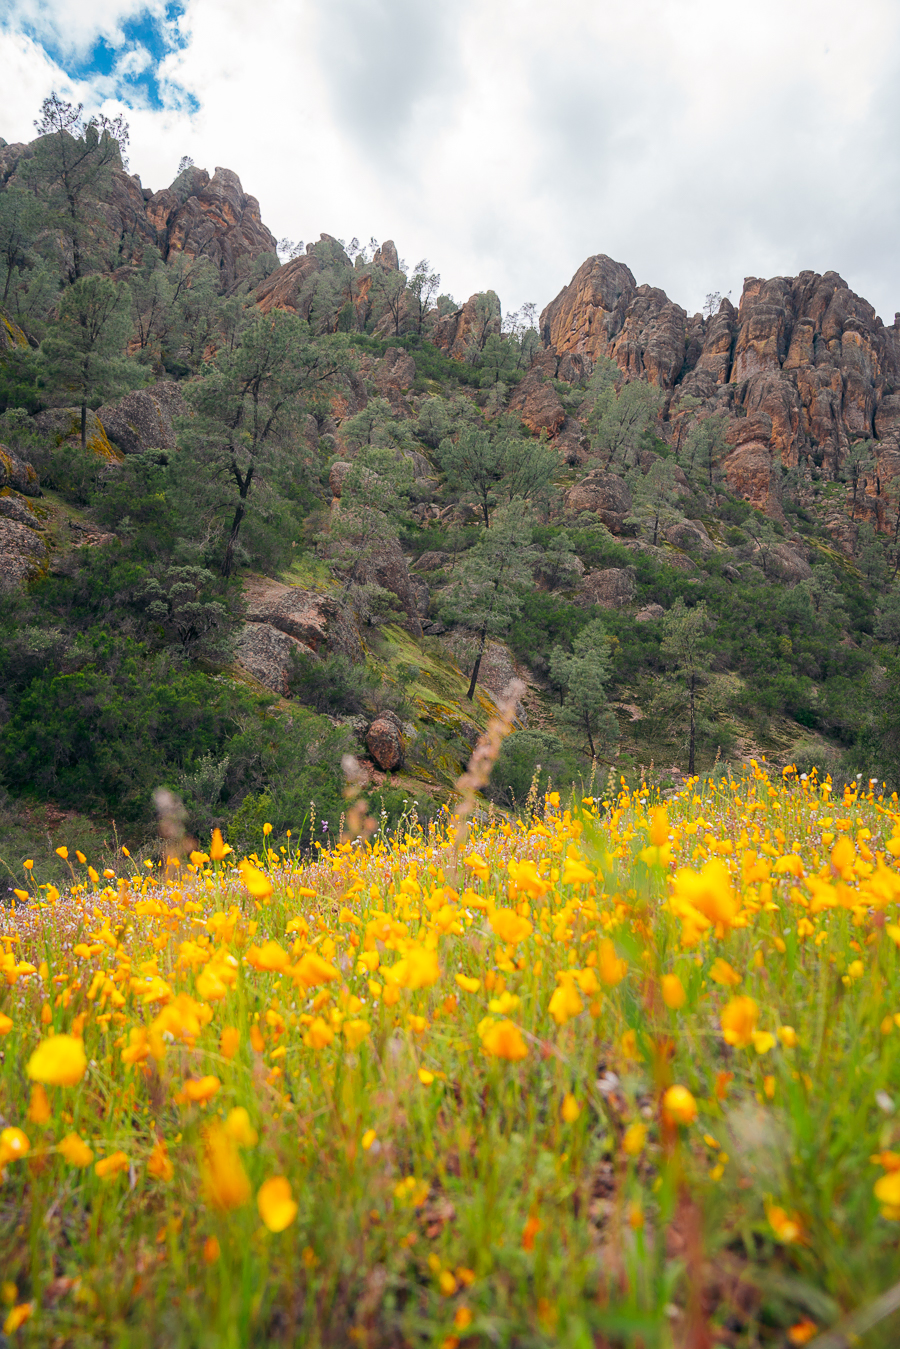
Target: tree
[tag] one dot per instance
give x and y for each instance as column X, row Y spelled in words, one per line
column 621, row 422
column 246, row 404
column 856, row 466
column 705, row 445
column 583, row 674
column 486, row 319
column 19, row 220
column 887, row 619
column 72, row 163
column 389, row 291
column 375, row 424
column 363, row 526
column 181, row 602
column 492, row 465
column 826, row 598
column 870, row 555
column 763, row 537
column 489, row 580
column 85, row 352
column 654, row 498
column 423, row 287
column 683, row 633
column 559, row 565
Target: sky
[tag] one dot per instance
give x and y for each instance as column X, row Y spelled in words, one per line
column 508, row 140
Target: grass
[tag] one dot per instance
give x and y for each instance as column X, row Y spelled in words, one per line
column 623, row 1073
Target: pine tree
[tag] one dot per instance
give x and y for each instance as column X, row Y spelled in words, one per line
column 684, row 631
column 246, row 406
column 583, row 675
column 486, row 595
column 72, row 164
column 85, row 352
column 654, row 497
column 493, row 466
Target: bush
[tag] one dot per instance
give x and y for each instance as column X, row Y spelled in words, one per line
column 527, row 755
column 333, row 685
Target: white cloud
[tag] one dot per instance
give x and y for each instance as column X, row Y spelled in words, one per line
column 507, row 140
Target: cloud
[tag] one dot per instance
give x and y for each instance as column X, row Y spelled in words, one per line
column 507, row 140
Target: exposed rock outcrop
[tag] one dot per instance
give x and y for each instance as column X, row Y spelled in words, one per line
column 303, row 615
column 62, row 426
column 23, row 553
column 16, row 474
column 611, row 588
column 537, row 403
column 210, row 216
column 803, row 367
column 605, row 495
column 384, row 741
column 479, row 317
column 142, row 420
column 197, row 215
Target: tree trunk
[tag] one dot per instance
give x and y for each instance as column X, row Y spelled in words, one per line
column 474, row 680
column 693, row 685
column 228, row 560
column 83, row 424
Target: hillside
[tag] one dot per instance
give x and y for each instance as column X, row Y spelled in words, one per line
column 259, row 512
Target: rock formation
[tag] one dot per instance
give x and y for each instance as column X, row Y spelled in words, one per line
column 803, row 367
column 197, row 215
column 384, row 741
column 142, row 420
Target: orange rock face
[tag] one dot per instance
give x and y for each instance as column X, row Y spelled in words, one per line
column 803, row 367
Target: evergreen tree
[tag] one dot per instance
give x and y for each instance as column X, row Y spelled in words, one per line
column 246, row 405
column 71, row 167
column 705, row 446
column 364, row 526
column 422, row 288
column 492, row 466
column 684, row 631
column 654, row 498
column 887, row 619
column 19, row 223
column 559, row 564
column 85, row 352
column 583, row 675
column 490, row 578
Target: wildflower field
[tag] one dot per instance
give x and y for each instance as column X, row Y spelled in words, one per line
column 625, row 1073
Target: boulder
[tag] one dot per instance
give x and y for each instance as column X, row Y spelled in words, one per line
column 611, row 588
column 63, row 427
column 142, row 420
column 303, row 615
column 265, row 651
column 538, row 404
column 14, row 508
column 691, row 536
column 384, row 741
column 650, row 613
column 389, row 569
column 790, row 564
column 431, row 561
column 16, row 474
column 23, row 553
column 337, row 476
column 605, row 495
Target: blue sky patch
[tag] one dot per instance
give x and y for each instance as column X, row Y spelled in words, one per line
column 132, row 60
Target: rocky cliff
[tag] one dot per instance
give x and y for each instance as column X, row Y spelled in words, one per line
column 803, row 367
column 196, row 215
